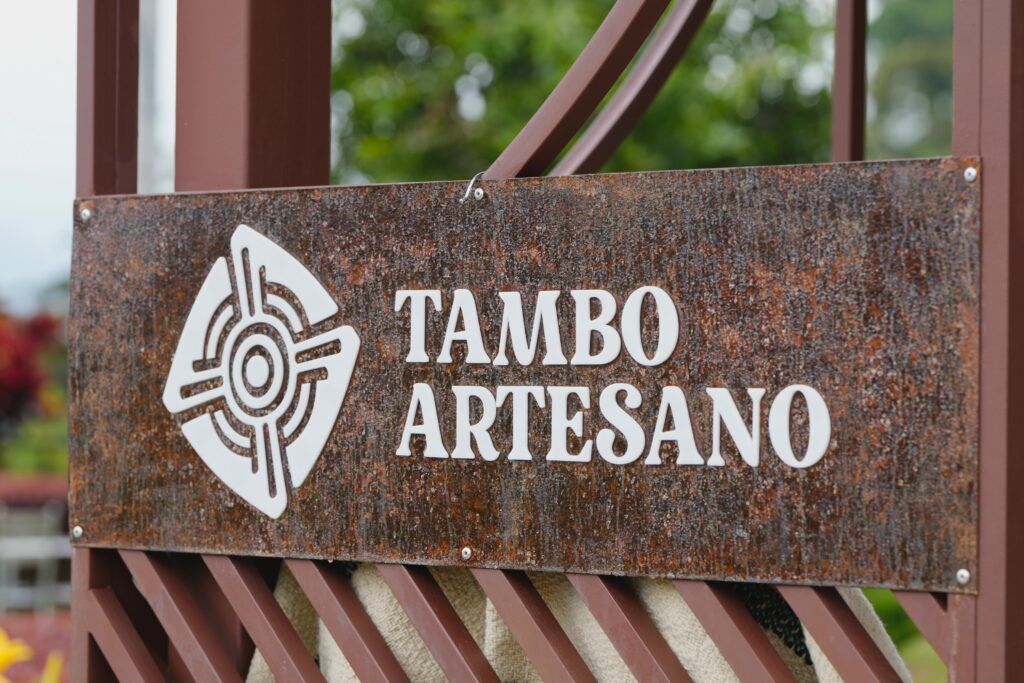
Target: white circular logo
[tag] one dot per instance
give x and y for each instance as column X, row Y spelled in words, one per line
column 259, row 375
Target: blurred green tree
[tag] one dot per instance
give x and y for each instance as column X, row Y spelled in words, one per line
column 435, row 90
column 910, row 52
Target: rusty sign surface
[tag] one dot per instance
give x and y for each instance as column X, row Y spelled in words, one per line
column 765, row 374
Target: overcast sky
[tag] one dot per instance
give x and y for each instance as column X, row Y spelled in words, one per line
column 37, row 147
column 37, row 135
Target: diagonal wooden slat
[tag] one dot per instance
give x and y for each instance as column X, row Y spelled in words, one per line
column 630, row 629
column 618, row 117
column 263, row 618
column 126, row 654
column 928, row 612
column 839, row 633
column 217, row 610
column 533, row 625
column 194, row 640
column 138, row 609
column 345, row 617
column 433, row 616
column 738, row 636
column 580, row 91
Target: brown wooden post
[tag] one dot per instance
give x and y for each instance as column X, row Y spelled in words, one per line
column 253, row 94
column 849, row 81
column 106, row 154
column 108, row 97
column 988, row 120
column 253, row 110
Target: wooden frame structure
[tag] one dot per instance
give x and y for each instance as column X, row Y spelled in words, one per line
column 253, row 111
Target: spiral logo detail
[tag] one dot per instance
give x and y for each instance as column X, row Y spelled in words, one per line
column 260, row 373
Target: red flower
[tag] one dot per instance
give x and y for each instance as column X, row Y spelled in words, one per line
column 21, row 375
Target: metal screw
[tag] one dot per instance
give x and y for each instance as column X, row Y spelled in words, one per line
column 478, row 193
column 85, row 213
column 77, row 532
column 970, row 174
column 963, row 577
column 467, row 553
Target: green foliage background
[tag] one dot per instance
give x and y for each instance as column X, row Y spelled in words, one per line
column 435, row 90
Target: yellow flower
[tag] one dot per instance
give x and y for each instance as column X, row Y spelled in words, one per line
column 12, row 652
column 51, row 672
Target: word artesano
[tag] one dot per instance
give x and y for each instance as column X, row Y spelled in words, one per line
column 595, row 320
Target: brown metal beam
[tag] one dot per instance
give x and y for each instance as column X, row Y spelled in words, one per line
column 533, row 625
column 962, row 611
column 629, row 628
column 849, row 82
column 967, row 62
column 105, row 163
column 739, row 638
column 266, row 622
column 108, row 97
column 928, row 612
column 631, row 100
column 192, row 637
column 116, row 636
column 345, row 617
column 192, row 571
column 437, row 622
column 579, row 92
column 988, row 120
column 840, row 635
column 253, row 94
column 253, row 110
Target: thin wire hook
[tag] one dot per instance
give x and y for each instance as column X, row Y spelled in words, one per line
column 479, row 194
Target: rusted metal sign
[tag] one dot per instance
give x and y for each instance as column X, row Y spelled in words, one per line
column 765, row 374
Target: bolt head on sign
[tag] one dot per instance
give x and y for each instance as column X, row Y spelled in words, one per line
column 252, row 385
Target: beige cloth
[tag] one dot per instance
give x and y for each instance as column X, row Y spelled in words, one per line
column 677, row 623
